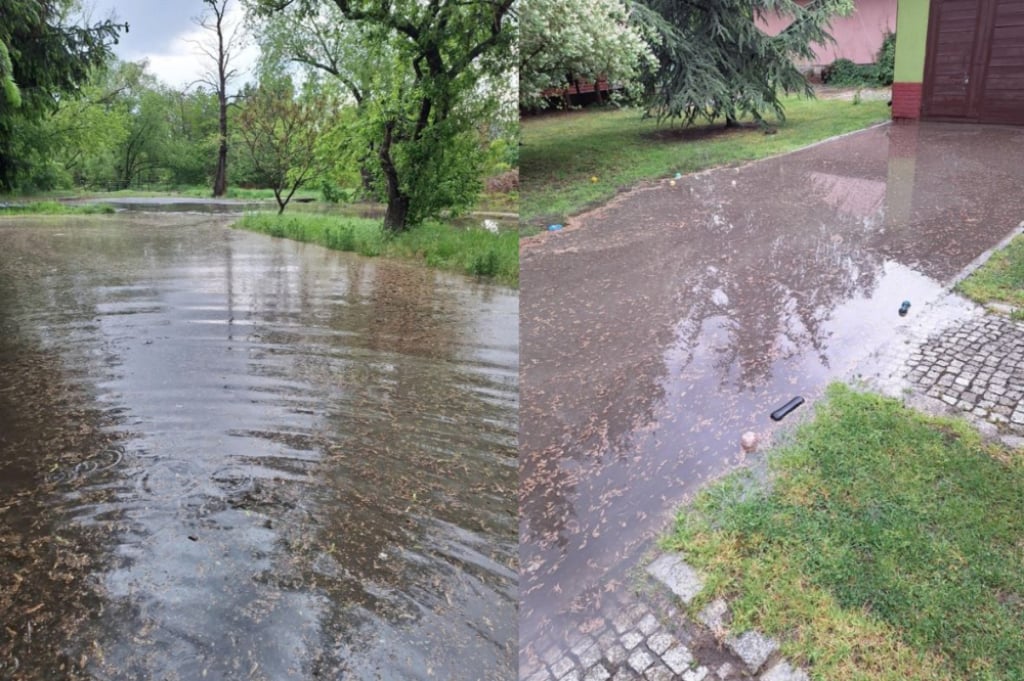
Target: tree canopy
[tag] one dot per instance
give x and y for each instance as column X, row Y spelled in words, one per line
column 714, row 61
column 419, row 105
column 44, row 57
column 279, row 132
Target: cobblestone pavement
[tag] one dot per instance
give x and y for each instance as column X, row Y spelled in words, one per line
column 644, row 636
column 976, row 367
column 960, row 360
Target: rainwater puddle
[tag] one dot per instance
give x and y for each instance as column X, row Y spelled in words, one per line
column 678, row 317
column 491, row 221
column 229, row 456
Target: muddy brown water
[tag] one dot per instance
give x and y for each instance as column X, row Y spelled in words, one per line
column 659, row 328
column 227, row 456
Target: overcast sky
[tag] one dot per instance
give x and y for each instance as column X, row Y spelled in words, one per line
column 160, row 31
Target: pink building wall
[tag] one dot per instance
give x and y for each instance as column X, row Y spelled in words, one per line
column 858, row 36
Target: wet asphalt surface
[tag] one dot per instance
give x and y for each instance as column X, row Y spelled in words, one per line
column 659, row 328
column 227, row 456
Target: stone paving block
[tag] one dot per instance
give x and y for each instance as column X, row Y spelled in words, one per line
column 660, row 672
column 640, row 660
column 726, row 671
column 648, row 625
column 589, row 657
column 678, row 659
column 573, row 637
column 698, row 674
column 597, row 673
column 541, row 675
column 573, row 675
column 625, row 674
column 581, row 645
column 615, row 654
column 625, row 620
column 607, row 639
column 753, row 647
column 784, row 672
column 715, row 614
column 661, row 642
column 680, row 578
column 631, row 639
column 562, row 667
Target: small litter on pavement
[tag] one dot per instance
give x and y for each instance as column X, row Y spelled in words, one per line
column 782, row 411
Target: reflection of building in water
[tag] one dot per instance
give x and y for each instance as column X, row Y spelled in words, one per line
column 900, row 176
column 855, row 196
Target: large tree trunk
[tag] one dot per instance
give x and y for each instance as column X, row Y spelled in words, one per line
column 398, row 201
column 220, row 180
column 396, row 214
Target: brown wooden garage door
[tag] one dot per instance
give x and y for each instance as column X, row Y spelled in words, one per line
column 974, row 70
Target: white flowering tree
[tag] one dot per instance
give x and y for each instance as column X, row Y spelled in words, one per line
column 587, row 39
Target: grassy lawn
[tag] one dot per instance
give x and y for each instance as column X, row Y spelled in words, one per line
column 1000, row 279
column 53, row 208
column 472, row 251
column 563, row 152
column 890, row 545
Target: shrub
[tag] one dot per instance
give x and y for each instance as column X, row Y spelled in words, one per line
column 887, row 59
column 845, row 73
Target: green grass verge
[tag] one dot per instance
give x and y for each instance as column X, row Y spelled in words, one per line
column 562, row 152
column 471, row 251
column 54, row 208
column 890, row 545
column 1000, row 279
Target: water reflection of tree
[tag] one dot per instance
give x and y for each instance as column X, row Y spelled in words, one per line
column 770, row 276
column 410, row 525
column 778, row 297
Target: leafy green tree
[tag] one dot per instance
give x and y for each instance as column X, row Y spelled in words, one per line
column 44, row 58
column 562, row 40
column 280, row 131
column 714, row 61
column 419, row 109
column 191, row 151
column 82, row 136
column 325, row 44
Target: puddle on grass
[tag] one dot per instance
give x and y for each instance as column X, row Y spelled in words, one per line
column 229, row 456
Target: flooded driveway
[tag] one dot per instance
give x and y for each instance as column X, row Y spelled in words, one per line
column 227, row 456
column 678, row 317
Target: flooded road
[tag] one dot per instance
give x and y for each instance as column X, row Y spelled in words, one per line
column 227, row 456
column 677, row 317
